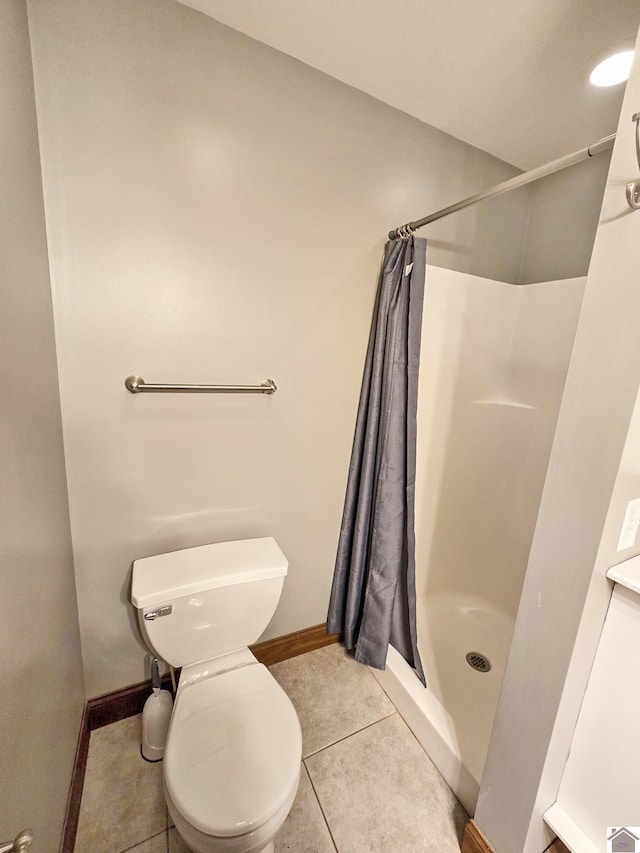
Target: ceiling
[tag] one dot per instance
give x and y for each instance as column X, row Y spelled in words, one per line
column 508, row 76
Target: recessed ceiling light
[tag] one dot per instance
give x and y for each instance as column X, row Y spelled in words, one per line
column 612, row 70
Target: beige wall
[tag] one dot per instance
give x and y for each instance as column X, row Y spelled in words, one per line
column 42, row 689
column 216, row 213
column 588, row 484
column 563, row 218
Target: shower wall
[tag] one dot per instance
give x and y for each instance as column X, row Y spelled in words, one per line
column 493, row 365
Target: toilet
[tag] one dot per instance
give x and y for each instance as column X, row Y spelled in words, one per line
column 234, row 746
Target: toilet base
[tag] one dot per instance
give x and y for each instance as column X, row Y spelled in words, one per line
column 270, row 848
column 251, row 842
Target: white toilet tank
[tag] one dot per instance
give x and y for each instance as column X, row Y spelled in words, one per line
column 198, row 603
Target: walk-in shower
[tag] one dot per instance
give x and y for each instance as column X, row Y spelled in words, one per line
column 493, row 366
column 490, row 377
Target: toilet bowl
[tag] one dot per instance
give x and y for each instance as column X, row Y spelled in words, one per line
column 234, row 746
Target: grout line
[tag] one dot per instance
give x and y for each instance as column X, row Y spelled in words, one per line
column 425, row 751
column 351, row 734
column 324, row 817
column 422, row 747
column 418, row 741
column 144, row 841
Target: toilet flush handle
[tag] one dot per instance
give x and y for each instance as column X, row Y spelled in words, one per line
column 20, row 843
column 151, row 615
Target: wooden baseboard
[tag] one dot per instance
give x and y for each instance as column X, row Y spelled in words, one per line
column 70, row 826
column 557, row 846
column 121, row 704
column 294, row 644
column 473, row 841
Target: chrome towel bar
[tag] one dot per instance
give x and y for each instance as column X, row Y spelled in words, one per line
column 136, row 384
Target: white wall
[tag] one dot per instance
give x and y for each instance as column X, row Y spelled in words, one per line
column 42, row 687
column 588, row 484
column 606, row 737
column 216, row 213
column 626, row 488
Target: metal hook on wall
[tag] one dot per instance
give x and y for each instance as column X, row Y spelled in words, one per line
column 633, row 188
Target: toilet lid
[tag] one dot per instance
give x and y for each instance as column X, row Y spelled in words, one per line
column 233, row 751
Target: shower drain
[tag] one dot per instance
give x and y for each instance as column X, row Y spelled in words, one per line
column 478, row 662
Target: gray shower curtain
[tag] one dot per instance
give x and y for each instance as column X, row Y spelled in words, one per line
column 373, row 594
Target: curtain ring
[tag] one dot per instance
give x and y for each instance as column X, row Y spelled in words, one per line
column 633, row 195
column 633, row 188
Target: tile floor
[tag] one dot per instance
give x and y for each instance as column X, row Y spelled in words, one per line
column 366, row 784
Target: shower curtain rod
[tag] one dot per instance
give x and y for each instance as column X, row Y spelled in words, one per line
column 598, row 147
